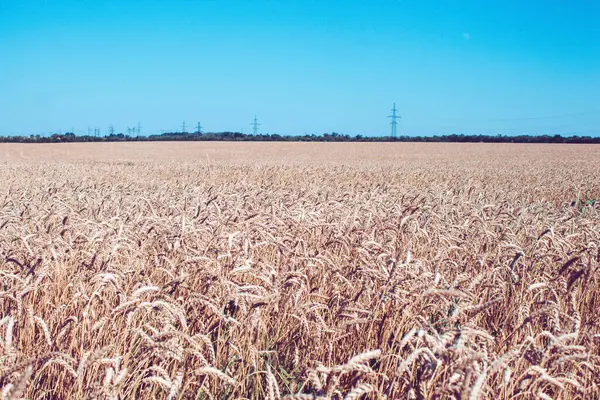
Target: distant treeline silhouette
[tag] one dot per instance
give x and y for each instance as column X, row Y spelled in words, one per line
column 326, row 137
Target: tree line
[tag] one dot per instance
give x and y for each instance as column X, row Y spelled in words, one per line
column 326, row 137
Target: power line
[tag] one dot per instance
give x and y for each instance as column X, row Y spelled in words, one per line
column 255, row 126
column 579, row 114
column 511, row 119
column 394, row 117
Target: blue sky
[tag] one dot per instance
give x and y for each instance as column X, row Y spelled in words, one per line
column 314, row 66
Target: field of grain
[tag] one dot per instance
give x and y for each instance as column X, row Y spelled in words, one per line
column 306, row 271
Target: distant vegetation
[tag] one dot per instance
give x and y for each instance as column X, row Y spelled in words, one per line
column 326, row 137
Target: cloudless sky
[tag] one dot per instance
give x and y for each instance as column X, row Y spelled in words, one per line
column 310, row 66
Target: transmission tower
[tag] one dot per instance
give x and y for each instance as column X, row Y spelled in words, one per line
column 255, row 126
column 183, row 127
column 139, row 129
column 394, row 116
column 199, row 129
column 111, row 130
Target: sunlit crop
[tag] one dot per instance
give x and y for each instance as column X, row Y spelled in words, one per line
column 328, row 271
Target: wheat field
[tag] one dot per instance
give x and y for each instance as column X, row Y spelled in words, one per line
column 299, row 271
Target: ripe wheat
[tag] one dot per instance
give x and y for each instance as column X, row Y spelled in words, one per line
column 300, row 271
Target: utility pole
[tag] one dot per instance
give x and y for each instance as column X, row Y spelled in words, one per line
column 394, row 116
column 128, row 131
column 255, row 125
column 199, row 129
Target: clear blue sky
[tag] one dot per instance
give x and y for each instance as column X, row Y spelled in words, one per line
column 309, row 66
